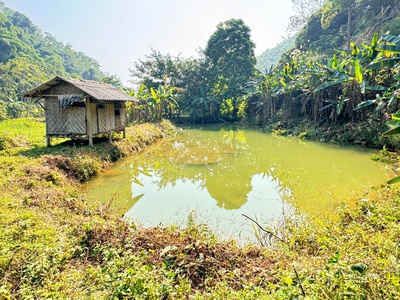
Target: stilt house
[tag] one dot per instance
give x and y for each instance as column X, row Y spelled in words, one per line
column 81, row 108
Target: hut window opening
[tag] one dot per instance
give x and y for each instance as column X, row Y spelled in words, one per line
column 78, row 104
column 117, row 112
column 68, row 100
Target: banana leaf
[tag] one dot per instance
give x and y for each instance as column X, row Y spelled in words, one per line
column 394, row 180
column 363, row 87
column 388, row 62
column 394, row 49
column 327, row 84
column 392, row 131
column 364, row 104
column 391, row 39
column 393, row 123
column 393, row 100
column 374, row 41
column 377, row 88
column 326, row 106
column 153, row 93
column 358, row 71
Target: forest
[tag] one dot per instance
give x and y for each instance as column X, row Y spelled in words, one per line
column 324, row 80
column 340, row 66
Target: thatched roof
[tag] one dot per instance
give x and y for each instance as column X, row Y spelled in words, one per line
column 96, row 90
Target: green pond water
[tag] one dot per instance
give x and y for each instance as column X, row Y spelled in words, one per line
column 218, row 174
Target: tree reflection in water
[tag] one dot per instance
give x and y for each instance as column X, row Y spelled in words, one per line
column 224, row 172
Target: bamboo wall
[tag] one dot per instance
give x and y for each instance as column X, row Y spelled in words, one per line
column 105, row 117
column 56, row 119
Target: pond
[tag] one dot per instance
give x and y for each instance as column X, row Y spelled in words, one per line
column 218, row 175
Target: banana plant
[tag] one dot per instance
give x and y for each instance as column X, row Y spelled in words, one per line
column 263, row 91
column 394, row 125
column 387, row 56
column 341, row 71
column 142, row 109
column 163, row 99
column 14, row 106
column 388, row 50
column 202, row 104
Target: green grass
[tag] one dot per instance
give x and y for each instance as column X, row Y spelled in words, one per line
column 55, row 245
column 14, row 133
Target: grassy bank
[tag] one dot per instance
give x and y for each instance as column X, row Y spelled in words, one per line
column 55, row 245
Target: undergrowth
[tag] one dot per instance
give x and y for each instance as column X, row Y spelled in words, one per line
column 366, row 134
column 56, row 245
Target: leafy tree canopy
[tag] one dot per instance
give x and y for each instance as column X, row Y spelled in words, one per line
column 230, row 51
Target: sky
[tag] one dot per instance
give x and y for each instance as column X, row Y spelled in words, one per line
column 117, row 33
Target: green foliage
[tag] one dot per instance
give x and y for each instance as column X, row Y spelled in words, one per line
column 394, row 130
column 202, row 86
column 392, row 26
column 113, row 80
column 329, row 87
column 332, row 90
column 13, row 133
column 271, row 57
column 154, row 103
column 326, row 29
column 28, row 57
column 230, row 53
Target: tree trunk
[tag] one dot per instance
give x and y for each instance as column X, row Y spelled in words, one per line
column 348, row 27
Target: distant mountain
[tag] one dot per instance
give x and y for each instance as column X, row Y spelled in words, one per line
column 29, row 56
column 271, row 56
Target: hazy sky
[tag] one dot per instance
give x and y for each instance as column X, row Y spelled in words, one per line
column 119, row 32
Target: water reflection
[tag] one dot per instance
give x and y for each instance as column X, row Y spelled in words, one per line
column 222, row 173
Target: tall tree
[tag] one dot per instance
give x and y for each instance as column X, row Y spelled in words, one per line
column 230, row 52
column 156, row 66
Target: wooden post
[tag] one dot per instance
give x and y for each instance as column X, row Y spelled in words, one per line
column 48, row 141
column 124, row 133
column 89, row 125
column 110, row 136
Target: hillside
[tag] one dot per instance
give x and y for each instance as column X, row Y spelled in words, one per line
column 29, row 56
column 326, row 30
column 271, row 56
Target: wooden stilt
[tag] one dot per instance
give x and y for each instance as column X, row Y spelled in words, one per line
column 89, row 125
